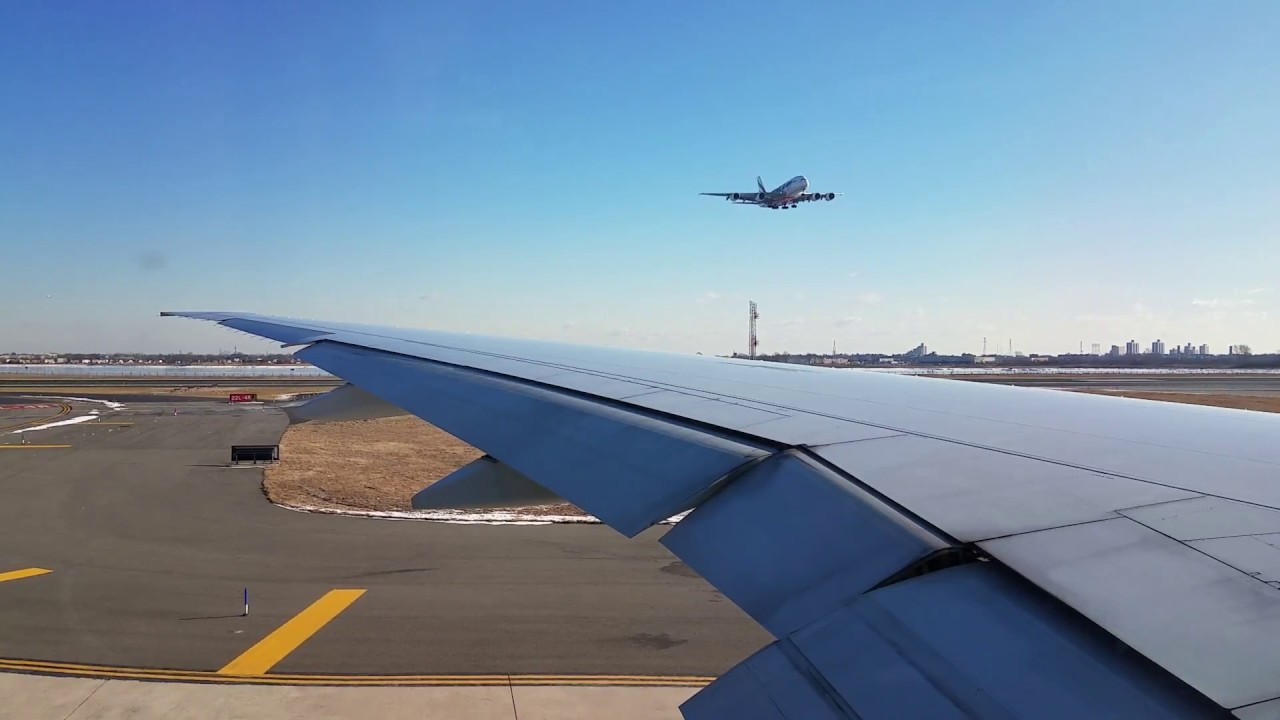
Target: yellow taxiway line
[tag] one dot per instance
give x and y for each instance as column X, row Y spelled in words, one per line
column 20, row 574
column 64, row 409
column 206, row 676
column 275, row 647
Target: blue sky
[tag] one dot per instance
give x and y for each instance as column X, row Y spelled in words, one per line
column 1054, row 173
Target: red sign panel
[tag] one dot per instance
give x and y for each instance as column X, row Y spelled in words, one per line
column 242, row 397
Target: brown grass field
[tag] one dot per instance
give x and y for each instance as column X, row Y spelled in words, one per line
column 1260, row 403
column 368, row 464
column 381, row 464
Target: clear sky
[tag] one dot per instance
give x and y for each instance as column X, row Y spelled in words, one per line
column 1054, row 173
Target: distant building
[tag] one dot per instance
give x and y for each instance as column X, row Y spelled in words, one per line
column 1115, row 351
column 1131, row 348
column 1097, row 349
column 1157, row 347
column 1204, row 349
column 918, row 351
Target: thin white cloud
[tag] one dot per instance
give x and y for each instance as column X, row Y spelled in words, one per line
column 793, row 322
column 1261, row 290
column 870, row 298
column 853, row 274
column 847, row 320
column 433, row 295
column 708, row 296
column 1220, row 303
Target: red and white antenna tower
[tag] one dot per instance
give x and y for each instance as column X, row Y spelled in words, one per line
column 752, row 342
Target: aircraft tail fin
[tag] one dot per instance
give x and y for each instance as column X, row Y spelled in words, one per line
column 760, row 184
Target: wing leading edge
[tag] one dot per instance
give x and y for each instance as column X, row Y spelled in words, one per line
column 919, row 549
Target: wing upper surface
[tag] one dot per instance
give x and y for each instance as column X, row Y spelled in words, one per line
column 1006, row 470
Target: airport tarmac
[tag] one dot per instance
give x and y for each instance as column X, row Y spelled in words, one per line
column 1239, row 384
column 150, row 540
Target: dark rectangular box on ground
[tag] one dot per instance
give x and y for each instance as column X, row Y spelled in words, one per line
column 255, row 453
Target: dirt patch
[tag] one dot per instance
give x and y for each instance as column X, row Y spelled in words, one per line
column 368, row 465
column 1238, row 402
column 275, row 392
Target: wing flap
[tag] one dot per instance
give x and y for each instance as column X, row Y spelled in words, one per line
column 976, row 494
column 343, row 403
column 1190, row 613
column 483, row 483
column 765, row 686
column 788, row 541
column 975, row 642
column 1254, row 555
column 1206, row 517
column 972, row 641
column 1262, row 711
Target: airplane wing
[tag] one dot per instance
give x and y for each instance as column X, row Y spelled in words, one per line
column 920, row 547
column 741, row 197
column 813, row 197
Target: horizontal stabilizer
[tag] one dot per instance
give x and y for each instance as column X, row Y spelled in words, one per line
column 484, row 483
column 345, row 402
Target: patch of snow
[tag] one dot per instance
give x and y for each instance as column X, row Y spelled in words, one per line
column 465, row 517
column 71, row 421
column 108, row 403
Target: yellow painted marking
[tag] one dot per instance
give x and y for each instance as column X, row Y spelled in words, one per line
column 31, row 447
column 63, row 410
column 205, row 676
column 275, row 647
column 20, row 574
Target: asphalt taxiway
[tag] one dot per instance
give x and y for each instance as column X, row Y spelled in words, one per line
column 150, row 541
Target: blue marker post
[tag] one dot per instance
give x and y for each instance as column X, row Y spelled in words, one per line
column 246, row 602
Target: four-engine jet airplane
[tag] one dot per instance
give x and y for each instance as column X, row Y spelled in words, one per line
column 787, row 195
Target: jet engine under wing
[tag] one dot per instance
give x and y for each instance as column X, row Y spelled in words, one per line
column 919, row 547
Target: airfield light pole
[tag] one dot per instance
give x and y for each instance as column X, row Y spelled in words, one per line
column 751, row 336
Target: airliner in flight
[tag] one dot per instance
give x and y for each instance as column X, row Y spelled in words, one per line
column 787, row 195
